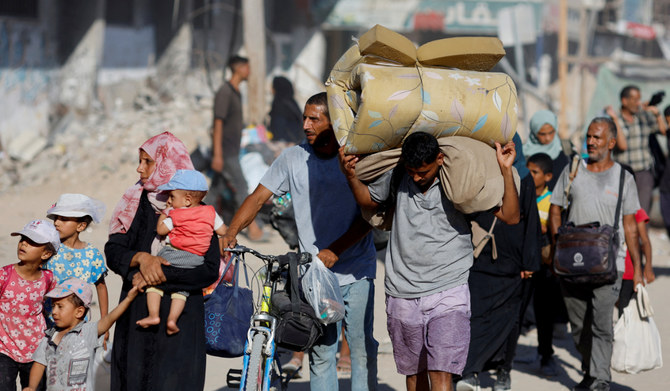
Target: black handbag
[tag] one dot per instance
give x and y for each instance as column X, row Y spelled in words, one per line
column 586, row 254
column 297, row 328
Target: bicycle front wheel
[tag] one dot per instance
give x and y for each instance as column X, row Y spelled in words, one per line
column 255, row 369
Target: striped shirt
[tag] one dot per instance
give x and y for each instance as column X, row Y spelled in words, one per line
column 637, row 134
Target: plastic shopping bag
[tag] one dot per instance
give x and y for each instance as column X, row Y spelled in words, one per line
column 637, row 343
column 102, row 368
column 322, row 291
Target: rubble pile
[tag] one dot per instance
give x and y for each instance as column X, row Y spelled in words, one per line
column 102, row 141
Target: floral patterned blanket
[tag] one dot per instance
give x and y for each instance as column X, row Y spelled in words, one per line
column 375, row 102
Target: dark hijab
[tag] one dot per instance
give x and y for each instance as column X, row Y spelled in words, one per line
column 520, row 160
column 285, row 115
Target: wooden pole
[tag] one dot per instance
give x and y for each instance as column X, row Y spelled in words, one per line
column 254, row 41
column 563, row 68
column 582, row 54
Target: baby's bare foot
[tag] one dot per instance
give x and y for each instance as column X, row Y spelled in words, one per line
column 172, row 327
column 149, row 321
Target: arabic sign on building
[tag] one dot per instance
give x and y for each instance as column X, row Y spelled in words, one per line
column 437, row 15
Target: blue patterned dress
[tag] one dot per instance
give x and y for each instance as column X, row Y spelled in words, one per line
column 86, row 264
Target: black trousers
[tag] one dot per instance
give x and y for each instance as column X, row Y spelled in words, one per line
column 10, row 369
column 549, row 309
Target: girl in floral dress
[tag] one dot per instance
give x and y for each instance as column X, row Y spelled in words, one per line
column 22, row 289
column 72, row 214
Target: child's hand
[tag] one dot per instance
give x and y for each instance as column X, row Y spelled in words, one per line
column 28, row 389
column 132, row 294
column 104, row 340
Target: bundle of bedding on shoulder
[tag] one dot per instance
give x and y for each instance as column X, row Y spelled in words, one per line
column 383, row 89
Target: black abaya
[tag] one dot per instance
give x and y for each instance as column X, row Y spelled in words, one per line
column 149, row 359
column 496, row 288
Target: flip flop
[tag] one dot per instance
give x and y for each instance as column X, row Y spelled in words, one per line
column 344, row 364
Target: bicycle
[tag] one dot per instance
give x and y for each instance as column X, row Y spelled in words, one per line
column 261, row 369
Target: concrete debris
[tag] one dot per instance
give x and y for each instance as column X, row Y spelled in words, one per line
column 146, row 99
column 26, row 146
column 107, row 138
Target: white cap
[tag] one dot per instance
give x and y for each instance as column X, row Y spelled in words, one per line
column 41, row 232
column 77, row 205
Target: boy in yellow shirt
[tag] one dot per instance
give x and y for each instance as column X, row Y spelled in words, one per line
column 540, row 166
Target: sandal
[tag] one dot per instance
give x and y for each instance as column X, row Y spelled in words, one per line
column 344, row 364
column 292, row 368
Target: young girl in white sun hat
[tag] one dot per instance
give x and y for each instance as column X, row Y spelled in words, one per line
column 72, row 214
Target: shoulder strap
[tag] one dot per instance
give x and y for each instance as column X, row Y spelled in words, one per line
column 622, row 176
column 494, row 248
column 293, row 273
column 493, row 225
column 574, row 166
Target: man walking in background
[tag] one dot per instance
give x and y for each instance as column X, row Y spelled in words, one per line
column 594, row 193
column 636, row 121
column 228, row 125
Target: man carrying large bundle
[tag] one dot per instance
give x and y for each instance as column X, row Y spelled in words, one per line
column 428, row 259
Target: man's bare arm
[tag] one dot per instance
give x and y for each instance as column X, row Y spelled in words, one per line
column 357, row 231
column 621, row 142
column 509, row 212
column 358, row 188
column 633, row 243
column 554, row 221
column 217, row 145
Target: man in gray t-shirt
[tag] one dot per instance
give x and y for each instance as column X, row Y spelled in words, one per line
column 594, row 193
column 427, row 259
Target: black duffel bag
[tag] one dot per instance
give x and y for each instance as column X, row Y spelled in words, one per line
column 297, row 328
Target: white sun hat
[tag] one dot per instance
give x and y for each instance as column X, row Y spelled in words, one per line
column 40, row 232
column 77, row 205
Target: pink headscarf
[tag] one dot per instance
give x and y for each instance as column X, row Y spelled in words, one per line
column 170, row 155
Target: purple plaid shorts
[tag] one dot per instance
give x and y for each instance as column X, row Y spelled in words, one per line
column 431, row 332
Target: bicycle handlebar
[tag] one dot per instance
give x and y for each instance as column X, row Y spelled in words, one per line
column 239, row 249
column 303, row 258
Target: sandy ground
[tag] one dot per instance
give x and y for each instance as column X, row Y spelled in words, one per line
column 22, row 204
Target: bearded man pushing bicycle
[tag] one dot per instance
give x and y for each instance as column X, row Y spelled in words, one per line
column 330, row 226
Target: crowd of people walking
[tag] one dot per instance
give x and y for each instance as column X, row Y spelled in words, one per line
column 452, row 313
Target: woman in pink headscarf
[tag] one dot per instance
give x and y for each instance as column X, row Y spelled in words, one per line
column 147, row 359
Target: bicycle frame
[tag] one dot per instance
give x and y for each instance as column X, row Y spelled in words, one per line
column 262, row 322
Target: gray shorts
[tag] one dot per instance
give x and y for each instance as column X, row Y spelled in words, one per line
column 180, row 258
column 431, row 332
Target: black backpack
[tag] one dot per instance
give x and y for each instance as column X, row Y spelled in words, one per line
column 297, row 328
